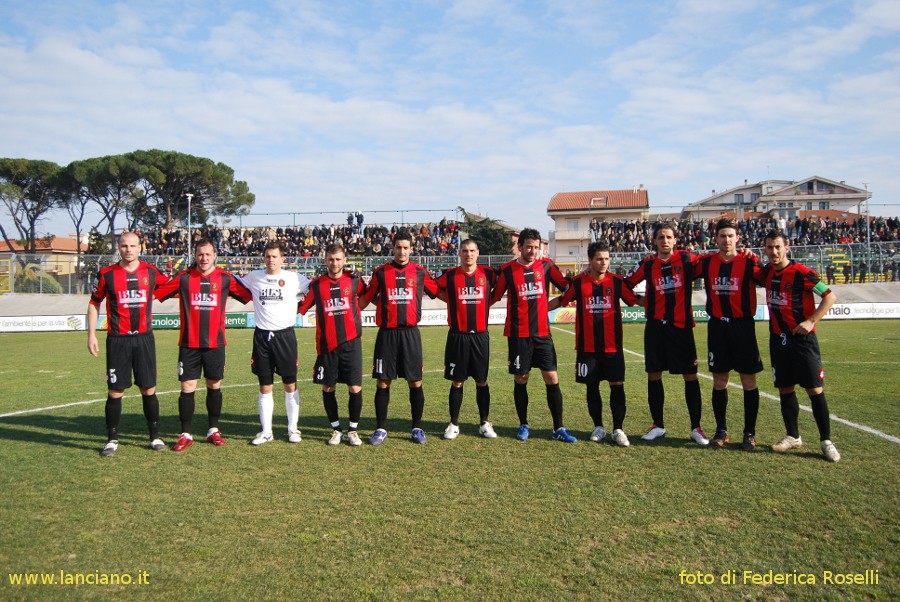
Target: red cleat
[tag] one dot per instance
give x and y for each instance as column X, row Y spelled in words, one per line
column 216, row 438
column 183, row 442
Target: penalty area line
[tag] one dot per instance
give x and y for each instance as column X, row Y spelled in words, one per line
column 859, row 427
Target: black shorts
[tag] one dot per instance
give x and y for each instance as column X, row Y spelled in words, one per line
column 127, row 354
column 274, row 351
column 526, row 353
column 398, row 354
column 210, row 359
column 796, row 360
column 342, row 365
column 668, row 347
column 593, row 366
column 467, row 354
column 732, row 346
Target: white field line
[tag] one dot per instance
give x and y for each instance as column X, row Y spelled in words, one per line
column 861, row 427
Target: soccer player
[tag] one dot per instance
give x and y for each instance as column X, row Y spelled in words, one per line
column 668, row 333
column 793, row 344
column 598, row 338
column 275, row 294
column 467, row 291
column 397, row 287
column 731, row 335
column 127, row 286
column 338, row 340
column 203, row 290
column 526, row 280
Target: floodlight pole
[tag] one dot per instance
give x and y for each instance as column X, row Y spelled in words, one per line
column 189, row 196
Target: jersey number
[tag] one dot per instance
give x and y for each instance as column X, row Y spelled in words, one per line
column 112, row 376
column 452, row 368
column 582, row 370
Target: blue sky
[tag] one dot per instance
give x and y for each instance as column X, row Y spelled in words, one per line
column 489, row 105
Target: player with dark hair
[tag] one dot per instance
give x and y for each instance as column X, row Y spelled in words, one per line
column 731, row 336
column 668, row 333
column 203, row 290
column 793, row 344
column 127, row 286
column 335, row 295
column 598, row 338
column 467, row 291
column 275, row 294
column 397, row 288
column 526, row 281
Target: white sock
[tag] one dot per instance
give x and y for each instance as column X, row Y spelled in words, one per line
column 266, row 408
column 292, row 407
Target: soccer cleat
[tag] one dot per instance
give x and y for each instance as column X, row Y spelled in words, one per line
column 418, row 435
column 654, row 432
column 599, row 434
column 378, row 437
column 620, row 438
column 336, row 437
column 451, row 432
column 562, row 434
column 157, row 445
column 294, row 437
column 215, row 437
column 523, row 433
column 749, row 443
column 353, row 439
column 487, row 431
column 110, row 448
column 184, row 442
column 699, row 437
column 831, row 452
column 787, row 443
column 719, row 439
column 262, row 438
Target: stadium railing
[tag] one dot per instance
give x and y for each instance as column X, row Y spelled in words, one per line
column 66, row 274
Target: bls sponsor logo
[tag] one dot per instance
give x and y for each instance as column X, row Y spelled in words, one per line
column 667, row 283
column 336, row 305
column 776, row 299
column 597, row 304
column 204, row 299
column 400, row 295
column 723, row 284
column 470, row 293
column 530, row 290
column 131, row 297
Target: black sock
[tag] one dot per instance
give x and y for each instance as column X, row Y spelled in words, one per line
column 694, row 400
column 456, row 398
column 151, row 413
column 520, row 395
column 821, row 414
column 483, row 399
column 354, row 408
column 656, row 399
column 417, row 405
column 720, row 408
column 555, row 403
column 186, row 411
column 382, row 399
column 329, row 401
column 113, row 416
column 594, row 403
column 790, row 411
column 751, row 410
column 617, row 405
column 214, row 406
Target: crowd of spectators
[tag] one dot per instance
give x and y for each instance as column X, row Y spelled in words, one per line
column 441, row 238
column 636, row 235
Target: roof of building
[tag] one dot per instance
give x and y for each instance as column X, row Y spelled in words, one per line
column 634, row 198
column 50, row 244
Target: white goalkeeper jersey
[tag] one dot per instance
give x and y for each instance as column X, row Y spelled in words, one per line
column 275, row 297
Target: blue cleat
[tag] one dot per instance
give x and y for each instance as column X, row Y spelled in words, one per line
column 562, row 434
column 523, row 433
column 378, row 437
column 418, row 436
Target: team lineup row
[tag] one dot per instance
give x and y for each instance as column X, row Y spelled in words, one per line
column 397, row 289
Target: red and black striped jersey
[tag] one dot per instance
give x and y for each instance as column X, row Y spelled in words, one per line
column 789, row 294
column 668, row 296
column 337, row 309
column 598, row 315
column 468, row 297
column 528, row 289
column 203, row 300
column 398, row 291
column 129, row 297
column 730, row 288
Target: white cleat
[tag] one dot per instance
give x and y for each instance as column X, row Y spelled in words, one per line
column 487, row 431
column 353, row 439
column 294, row 437
column 788, row 443
column 699, row 437
column 599, row 434
column 262, row 438
column 620, row 438
column 451, row 432
column 336, row 438
column 654, row 432
column 831, row 452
